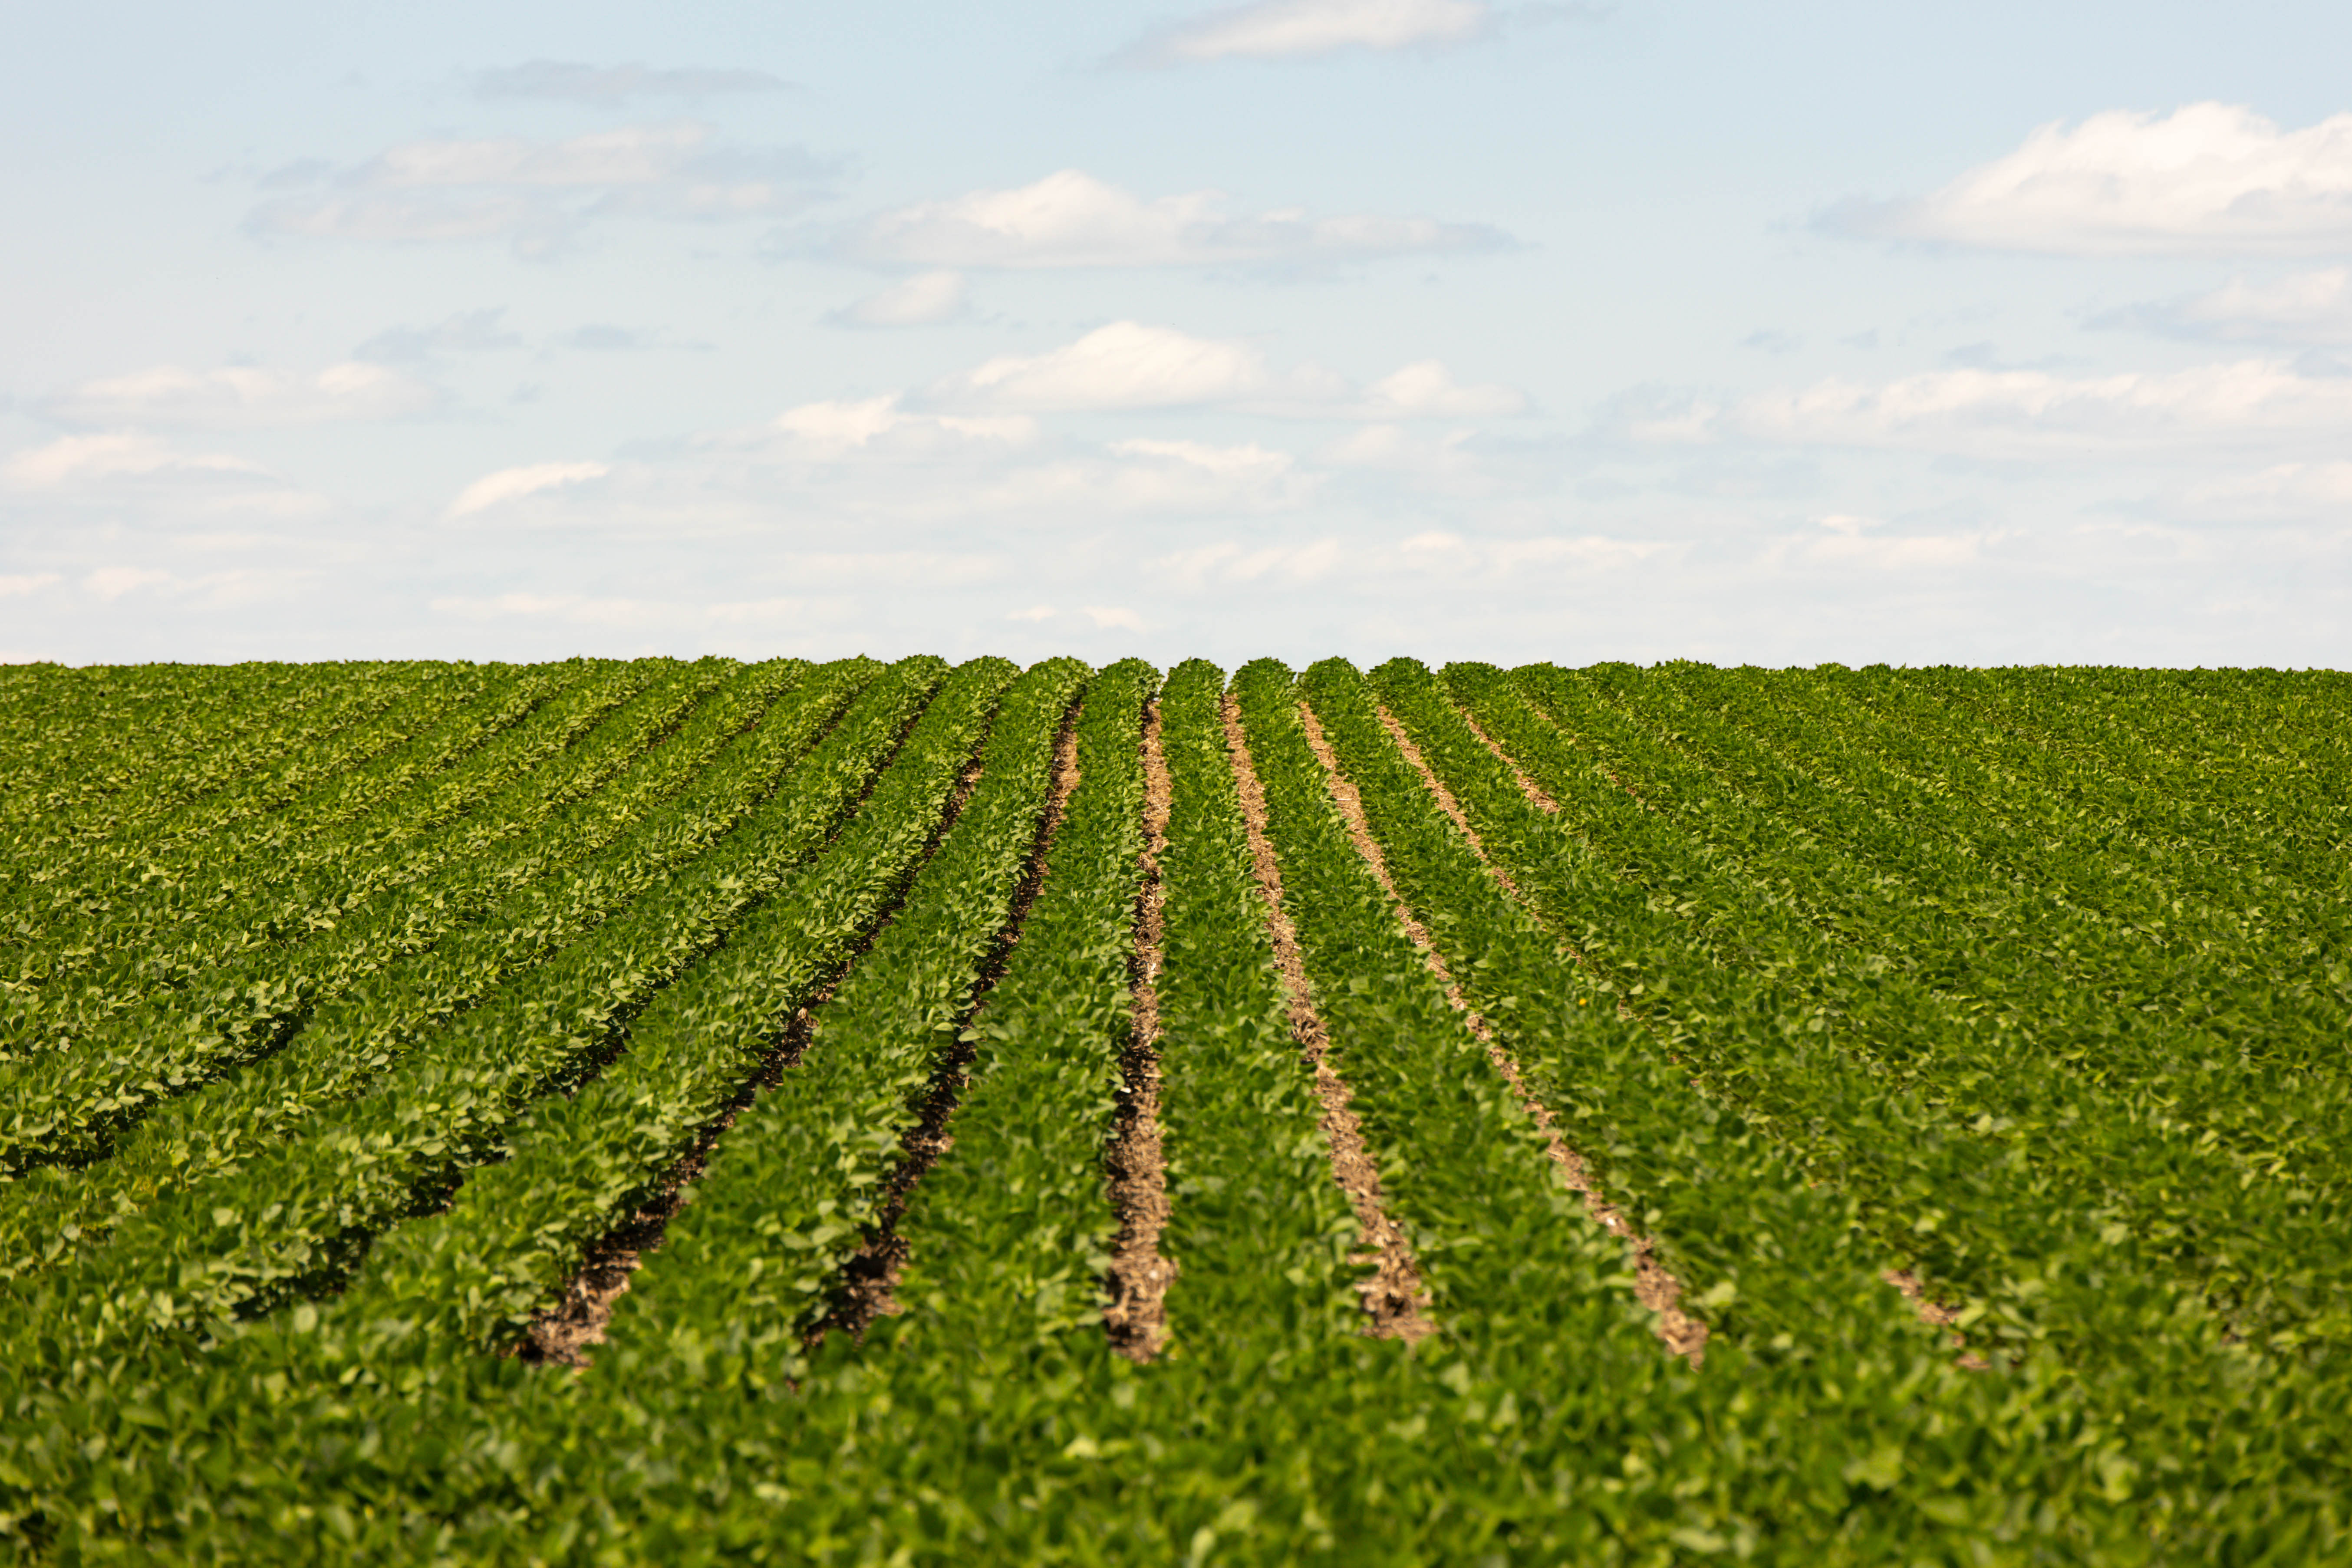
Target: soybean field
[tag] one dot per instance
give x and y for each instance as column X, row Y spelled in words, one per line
column 698, row 1112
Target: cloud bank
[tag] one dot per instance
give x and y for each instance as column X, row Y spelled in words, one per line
column 2301, row 310
column 1071, row 219
column 924, row 300
column 2208, row 179
column 243, row 398
column 538, row 195
column 1292, row 29
column 2248, row 405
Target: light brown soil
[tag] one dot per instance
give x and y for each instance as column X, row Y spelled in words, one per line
column 1137, row 1319
column 1527, row 787
column 1933, row 1311
column 1394, row 1297
column 1654, row 1288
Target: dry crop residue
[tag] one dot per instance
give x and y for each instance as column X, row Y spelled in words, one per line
column 1393, row 1296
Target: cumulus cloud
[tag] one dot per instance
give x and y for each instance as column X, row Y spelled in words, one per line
column 25, row 584
column 113, row 582
column 514, row 484
column 1395, row 450
column 1128, row 365
column 115, row 455
column 611, row 85
column 2282, row 492
column 243, row 397
column 1427, row 390
column 2208, row 179
column 621, row 612
column 837, row 428
column 2201, row 412
column 1416, row 558
column 1144, row 476
column 1123, row 365
column 1291, row 29
column 538, row 195
column 918, row 301
column 1072, row 219
column 1854, row 542
column 2023, row 413
column 2306, row 308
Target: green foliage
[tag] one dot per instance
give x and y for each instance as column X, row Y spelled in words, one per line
column 345, row 1012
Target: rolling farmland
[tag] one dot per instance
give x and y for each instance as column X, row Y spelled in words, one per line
column 663, row 1111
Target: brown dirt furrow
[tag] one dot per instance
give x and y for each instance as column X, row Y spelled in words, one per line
column 1935, row 1312
column 1527, row 787
column 1394, row 1297
column 561, row 1333
column 1444, row 796
column 1654, row 1288
column 1137, row 1319
column 869, row 1288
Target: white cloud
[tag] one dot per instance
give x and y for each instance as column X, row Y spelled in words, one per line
column 1107, row 616
column 2304, row 309
column 538, row 194
column 614, row 611
column 1417, row 558
column 514, row 484
column 1139, row 477
column 2005, row 414
column 1450, row 553
column 76, row 459
column 2208, row 179
column 1124, row 365
column 1428, row 391
column 611, row 85
column 1231, row 562
column 1072, row 219
column 918, row 301
column 28, row 583
column 1034, row 613
column 2282, row 492
column 1396, row 449
column 829, row 430
column 1845, row 541
column 1284, row 29
column 1252, row 464
column 243, row 397
column 113, row 582
column 1128, row 365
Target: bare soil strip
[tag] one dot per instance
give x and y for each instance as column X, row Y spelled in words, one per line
column 1394, row 1296
column 1137, row 1319
column 561, row 1333
column 1930, row 1311
column 1527, row 787
column 869, row 1288
column 1654, row 1288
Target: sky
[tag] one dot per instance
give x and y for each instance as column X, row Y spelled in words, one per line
column 1466, row 329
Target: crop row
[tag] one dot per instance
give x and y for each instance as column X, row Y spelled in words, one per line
column 1799, row 1021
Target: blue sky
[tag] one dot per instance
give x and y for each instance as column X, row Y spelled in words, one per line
column 1637, row 331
